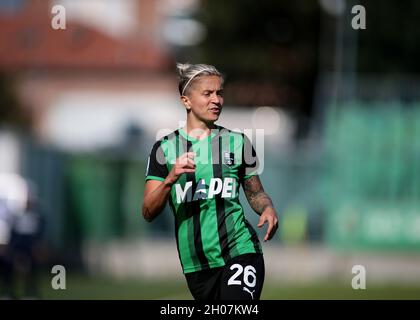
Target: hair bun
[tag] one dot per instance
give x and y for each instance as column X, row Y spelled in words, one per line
column 182, row 68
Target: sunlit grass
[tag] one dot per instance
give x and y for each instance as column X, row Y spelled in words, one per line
column 84, row 287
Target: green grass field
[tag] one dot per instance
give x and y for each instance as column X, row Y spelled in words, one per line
column 83, row 287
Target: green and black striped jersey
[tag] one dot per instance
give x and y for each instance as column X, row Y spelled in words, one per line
column 210, row 223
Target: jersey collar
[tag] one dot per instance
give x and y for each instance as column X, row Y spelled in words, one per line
column 213, row 133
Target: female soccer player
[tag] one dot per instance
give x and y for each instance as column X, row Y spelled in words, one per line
column 200, row 168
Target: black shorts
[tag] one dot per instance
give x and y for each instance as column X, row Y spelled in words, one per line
column 241, row 278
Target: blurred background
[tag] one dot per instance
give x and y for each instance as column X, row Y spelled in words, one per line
column 81, row 107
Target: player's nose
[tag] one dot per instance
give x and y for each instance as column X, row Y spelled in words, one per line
column 216, row 99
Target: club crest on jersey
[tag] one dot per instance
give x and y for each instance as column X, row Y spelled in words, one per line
column 228, row 158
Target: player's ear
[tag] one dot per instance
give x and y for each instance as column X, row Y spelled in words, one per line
column 186, row 102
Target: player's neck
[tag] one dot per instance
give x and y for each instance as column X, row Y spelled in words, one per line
column 198, row 129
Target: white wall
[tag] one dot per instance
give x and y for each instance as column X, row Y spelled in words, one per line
column 9, row 152
column 83, row 121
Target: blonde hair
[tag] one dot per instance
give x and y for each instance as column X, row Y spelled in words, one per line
column 189, row 72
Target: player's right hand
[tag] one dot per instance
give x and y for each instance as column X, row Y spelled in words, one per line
column 184, row 164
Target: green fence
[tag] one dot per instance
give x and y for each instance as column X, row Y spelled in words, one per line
column 104, row 196
column 372, row 181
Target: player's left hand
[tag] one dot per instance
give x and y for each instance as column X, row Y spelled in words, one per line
column 269, row 215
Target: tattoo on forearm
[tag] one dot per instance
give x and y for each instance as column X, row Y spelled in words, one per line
column 257, row 198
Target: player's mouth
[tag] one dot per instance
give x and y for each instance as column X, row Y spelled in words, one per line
column 215, row 110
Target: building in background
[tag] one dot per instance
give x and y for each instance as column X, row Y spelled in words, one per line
column 84, row 75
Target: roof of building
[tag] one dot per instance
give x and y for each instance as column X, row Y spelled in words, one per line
column 29, row 41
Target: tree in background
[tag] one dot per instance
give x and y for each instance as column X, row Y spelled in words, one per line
column 391, row 42
column 268, row 50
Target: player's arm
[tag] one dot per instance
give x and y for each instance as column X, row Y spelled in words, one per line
column 261, row 203
column 155, row 196
column 156, row 192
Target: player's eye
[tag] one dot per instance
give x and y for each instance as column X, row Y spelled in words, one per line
column 220, row 93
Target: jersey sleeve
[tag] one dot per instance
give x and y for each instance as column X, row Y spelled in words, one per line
column 250, row 162
column 156, row 164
